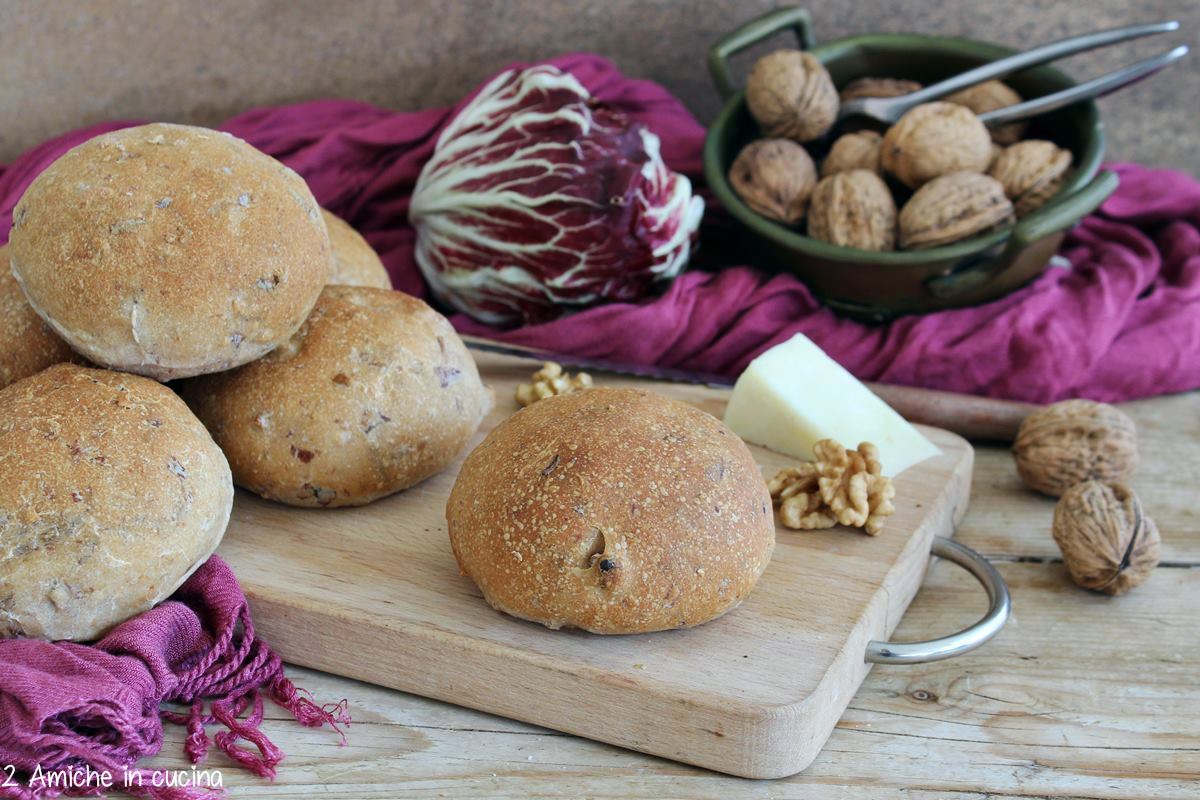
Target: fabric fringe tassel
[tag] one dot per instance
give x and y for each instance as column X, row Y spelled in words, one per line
column 102, row 721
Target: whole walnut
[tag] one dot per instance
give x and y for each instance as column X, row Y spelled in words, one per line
column 951, row 208
column 989, row 96
column 1109, row 544
column 935, row 139
column 791, row 95
column 775, row 177
column 859, row 150
column 1074, row 441
column 853, row 209
column 1031, row 172
column 877, row 87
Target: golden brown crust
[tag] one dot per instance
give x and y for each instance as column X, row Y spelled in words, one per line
column 111, row 494
column 169, row 250
column 27, row 345
column 612, row 510
column 355, row 263
column 373, row 394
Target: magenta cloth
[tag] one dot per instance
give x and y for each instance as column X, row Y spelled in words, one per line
column 1122, row 322
column 67, row 707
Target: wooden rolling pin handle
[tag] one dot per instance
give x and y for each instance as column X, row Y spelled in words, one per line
column 979, row 418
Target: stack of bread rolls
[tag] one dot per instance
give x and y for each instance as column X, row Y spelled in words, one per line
column 175, row 253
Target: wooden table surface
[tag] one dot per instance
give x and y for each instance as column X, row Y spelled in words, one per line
column 1081, row 696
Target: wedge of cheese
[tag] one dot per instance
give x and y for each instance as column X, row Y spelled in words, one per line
column 793, row 395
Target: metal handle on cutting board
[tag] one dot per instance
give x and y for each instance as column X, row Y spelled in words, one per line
column 999, row 609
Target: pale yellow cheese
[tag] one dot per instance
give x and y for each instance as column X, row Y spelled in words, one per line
column 793, row 395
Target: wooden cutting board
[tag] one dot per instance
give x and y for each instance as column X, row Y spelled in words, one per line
column 374, row 593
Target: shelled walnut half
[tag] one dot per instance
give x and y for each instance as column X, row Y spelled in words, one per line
column 549, row 381
column 842, row 486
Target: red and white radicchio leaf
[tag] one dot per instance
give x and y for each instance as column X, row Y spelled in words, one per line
column 538, row 199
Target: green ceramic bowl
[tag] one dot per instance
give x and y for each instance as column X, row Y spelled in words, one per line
column 880, row 286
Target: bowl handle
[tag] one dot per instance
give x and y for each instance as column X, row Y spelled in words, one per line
column 999, row 609
column 752, row 33
column 1055, row 216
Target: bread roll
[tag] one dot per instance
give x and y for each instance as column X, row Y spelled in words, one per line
column 355, row 263
column 27, row 345
column 169, row 250
column 373, row 394
column 111, row 494
column 612, row 510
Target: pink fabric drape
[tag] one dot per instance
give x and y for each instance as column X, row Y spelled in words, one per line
column 1122, row 322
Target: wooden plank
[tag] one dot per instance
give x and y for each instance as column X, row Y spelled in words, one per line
column 1007, row 520
column 374, row 594
column 1082, row 696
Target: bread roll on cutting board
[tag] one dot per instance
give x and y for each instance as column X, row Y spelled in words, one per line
column 612, row 510
column 170, row 250
column 111, row 494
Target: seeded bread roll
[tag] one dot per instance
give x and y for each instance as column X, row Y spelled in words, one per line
column 355, row 263
column 111, row 494
column 27, row 345
column 169, row 250
column 373, row 394
column 612, row 510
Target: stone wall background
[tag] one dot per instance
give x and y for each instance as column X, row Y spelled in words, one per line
column 72, row 62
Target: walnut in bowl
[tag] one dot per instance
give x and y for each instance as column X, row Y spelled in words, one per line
column 878, row 285
column 853, row 209
column 791, row 96
column 951, row 208
column 989, row 96
column 935, row 139
column 1031, row 172
column 775, row 177
column 856, row 150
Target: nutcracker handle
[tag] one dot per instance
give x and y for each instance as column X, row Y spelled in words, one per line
column 751, row 34
column 1062, row 213
column 999, row 610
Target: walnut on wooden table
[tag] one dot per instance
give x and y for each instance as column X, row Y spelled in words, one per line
column 1109, row 544
column 1074, row 441
column 551, row 380
column 842, row 486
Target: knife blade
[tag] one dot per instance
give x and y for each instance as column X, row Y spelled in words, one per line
column 600, row 365
column 971, row 416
